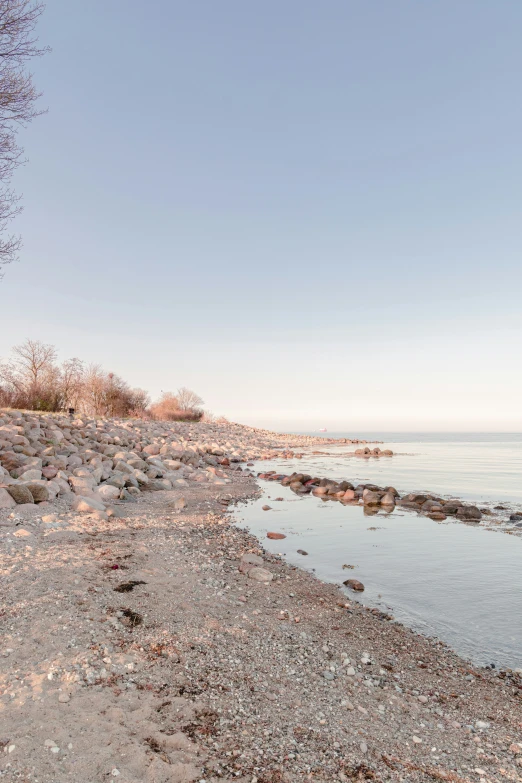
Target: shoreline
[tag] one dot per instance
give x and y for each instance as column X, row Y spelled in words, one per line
column 221, row 664
column 154, row 641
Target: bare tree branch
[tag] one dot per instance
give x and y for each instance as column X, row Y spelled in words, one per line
column 18, row 96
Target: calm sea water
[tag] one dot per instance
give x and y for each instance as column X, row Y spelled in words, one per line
column 459, row 583
column 479, row 467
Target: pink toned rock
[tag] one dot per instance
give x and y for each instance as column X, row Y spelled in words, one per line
column 318, row 491
column 388, row 500
column 349, row 495
column 49, row 472
column 152, row 450
column 275, row 536
column 355, row 585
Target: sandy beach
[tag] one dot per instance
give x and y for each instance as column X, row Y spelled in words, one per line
column 156, row 642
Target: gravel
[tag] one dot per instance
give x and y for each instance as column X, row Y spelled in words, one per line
column 203, row 673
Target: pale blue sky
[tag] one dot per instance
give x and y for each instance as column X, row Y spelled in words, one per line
column 308, row 212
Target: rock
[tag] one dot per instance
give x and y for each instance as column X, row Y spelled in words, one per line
column 159, row 484
column 39, row 492
column 328, row 675
column 20, row 493
column 301, row 552
column 49, row 472
column 116, row 480
column 275, row 536
column 318, row 491
column 414, row 499
column 354, row 584
column 371, row 498
column 260, row 574
column 267, row 508
column 470, row 513
column 108, row 492
column 452, row 506
column 22, row 533
column 87, row 505
column 388, row 500
column 31, row 475
column 180, row 503
column 249, row 561
column 83, row 485
column 128, row 496
column 123, row 467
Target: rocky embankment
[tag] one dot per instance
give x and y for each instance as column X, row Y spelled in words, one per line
column 95, row 462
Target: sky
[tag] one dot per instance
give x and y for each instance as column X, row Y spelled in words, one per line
column 310, row 213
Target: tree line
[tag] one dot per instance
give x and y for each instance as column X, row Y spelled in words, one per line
column 32, row 379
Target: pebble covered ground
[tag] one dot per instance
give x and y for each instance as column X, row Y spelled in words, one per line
column 163, row 644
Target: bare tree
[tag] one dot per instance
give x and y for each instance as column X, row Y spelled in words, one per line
column 18, row 97
column 31, row 379
column 188, row 400
column 72, row 383
column 93, row 398
column 33, row 360
column 139, row 402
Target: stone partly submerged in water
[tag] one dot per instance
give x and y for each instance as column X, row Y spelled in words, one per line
column 388, row 500
column 371, row 498
column 275, row 536
column 354, row 584
column 318, row 491
column 469, row 513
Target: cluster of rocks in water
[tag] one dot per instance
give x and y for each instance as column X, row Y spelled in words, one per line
column 99, row 461
column 375, row 452
column 374, row 498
